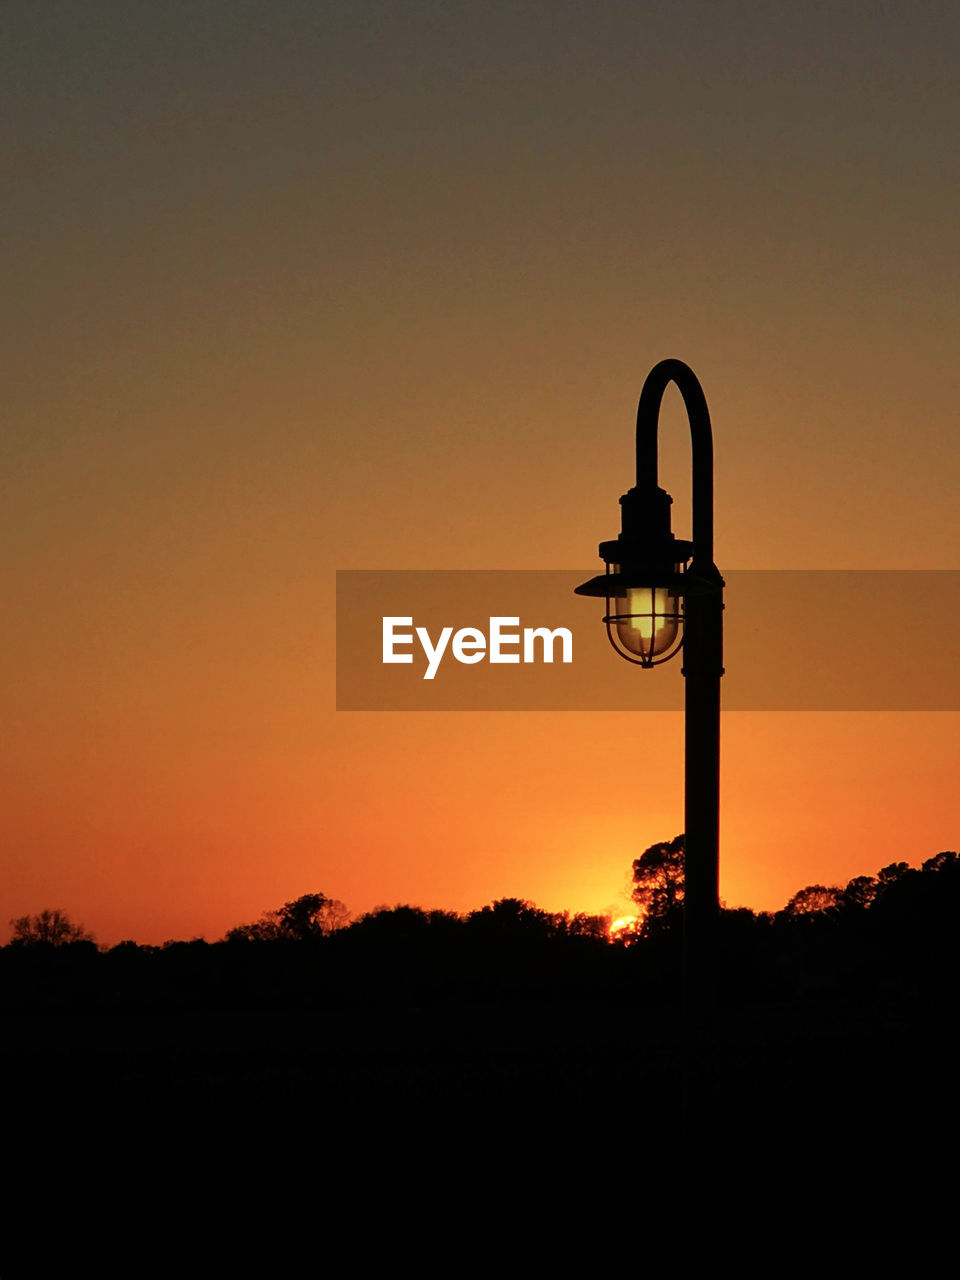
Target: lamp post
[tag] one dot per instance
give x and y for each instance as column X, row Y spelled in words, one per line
column 664, row 594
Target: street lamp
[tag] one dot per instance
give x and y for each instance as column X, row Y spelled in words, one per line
column 664, row 594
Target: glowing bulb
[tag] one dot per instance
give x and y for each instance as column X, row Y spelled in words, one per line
column 647, row 621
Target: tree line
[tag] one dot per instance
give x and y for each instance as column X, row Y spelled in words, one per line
column 657, row 894
column 890, row 935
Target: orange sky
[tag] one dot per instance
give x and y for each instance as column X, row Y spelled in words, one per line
column 298, row 288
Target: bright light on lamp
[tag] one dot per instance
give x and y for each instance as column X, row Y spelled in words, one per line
column 644, row 623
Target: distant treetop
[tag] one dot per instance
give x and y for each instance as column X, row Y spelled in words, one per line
column 52, row 927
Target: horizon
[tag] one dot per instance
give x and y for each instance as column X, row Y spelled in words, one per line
column 615, row 925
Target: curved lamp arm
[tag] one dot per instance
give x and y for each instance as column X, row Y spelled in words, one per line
column 701, row 437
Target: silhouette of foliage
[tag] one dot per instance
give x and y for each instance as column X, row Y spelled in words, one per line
column 311, row 916
column 514, row 918
column 582, row 925
column 658, row 886
column 815, row 899
column 52, row 927
column 892, row 873
column 859, row 894
column 888, row 939
column 398, row 924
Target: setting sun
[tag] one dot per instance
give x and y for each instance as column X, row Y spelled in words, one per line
column 623, row 926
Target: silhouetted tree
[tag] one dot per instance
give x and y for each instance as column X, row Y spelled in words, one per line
column 313, row 915
column 858, row 895
column 815, row 899
column 396, row 924
column 582, row 925
column 52, row 927
column 658, row 886
column 947, row 863
column 513, row 918
column 891, row 873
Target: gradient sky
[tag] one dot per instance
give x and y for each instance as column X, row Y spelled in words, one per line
column 306, row 286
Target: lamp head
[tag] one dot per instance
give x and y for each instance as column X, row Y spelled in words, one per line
column 644, row 580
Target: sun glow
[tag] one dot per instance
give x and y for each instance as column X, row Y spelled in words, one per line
column 622, row 927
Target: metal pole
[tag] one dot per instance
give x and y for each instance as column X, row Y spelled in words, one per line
column 702, row 669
